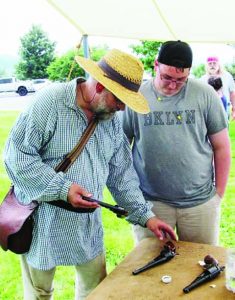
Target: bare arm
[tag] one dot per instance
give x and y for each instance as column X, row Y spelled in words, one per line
column 232, row 99
column 222, row 159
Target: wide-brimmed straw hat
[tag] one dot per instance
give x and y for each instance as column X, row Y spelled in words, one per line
column 121, row 74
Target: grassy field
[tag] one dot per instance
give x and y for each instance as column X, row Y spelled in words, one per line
column 118, row 236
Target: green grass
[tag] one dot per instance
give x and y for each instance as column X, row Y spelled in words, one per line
column 118, row 236
column 6, row 121
column 227, row 227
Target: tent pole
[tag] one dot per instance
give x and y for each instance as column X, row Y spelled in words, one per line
column 86, row 50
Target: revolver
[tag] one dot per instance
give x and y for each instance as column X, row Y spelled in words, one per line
column 212, row 270
column 118, row 210
column 168, row 252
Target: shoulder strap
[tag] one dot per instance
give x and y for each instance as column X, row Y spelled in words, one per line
column 70, row 158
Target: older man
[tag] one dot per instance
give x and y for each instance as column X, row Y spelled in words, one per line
column 41, row 138
column 174, row 147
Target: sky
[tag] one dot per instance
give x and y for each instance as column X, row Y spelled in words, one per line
column 18, row 16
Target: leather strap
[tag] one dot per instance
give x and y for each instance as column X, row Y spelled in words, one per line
column 70, row 158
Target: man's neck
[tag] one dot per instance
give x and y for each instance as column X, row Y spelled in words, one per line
column 82, row 102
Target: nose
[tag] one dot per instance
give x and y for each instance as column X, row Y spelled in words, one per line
column 172, row 85
column 120, row 105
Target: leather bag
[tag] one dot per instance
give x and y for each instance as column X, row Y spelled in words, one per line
column 16, row 219
column 16, row 223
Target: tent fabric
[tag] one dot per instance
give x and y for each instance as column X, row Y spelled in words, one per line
column 188, row 20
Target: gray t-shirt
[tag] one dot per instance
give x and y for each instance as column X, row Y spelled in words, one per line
column 171, row 151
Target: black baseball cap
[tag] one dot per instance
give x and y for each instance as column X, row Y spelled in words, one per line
column 176, row 53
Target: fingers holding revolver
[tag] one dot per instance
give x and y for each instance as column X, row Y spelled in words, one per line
column 75, row 194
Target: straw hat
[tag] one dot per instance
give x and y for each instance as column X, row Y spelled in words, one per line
column 121, row 74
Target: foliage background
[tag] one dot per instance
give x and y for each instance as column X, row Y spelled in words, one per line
column 147, row 51
column 36, row 54
column 65, row 67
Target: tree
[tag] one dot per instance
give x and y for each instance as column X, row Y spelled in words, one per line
column 231, row 69
column 147, row 52
column 199, row 71
column 65, row 67
column 36, row 54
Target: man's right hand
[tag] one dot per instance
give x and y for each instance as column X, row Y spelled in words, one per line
column 75, row 197
column 160, row 229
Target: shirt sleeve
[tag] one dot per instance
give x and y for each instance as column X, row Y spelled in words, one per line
column 123, row 182
column 32, row 177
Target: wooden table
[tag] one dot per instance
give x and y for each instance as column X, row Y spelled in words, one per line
column 120, row 284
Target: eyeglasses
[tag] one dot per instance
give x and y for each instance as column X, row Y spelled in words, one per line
column 168, row 80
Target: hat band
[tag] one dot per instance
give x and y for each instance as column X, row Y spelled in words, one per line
column 117, row 77
column 209, row 59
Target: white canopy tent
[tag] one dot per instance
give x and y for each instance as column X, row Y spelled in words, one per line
column 187, row 20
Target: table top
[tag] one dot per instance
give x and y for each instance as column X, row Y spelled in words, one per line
column 120, row 284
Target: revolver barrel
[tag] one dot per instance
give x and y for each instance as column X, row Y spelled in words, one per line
column 207, row 275
column 151, row 264
column 118, row 210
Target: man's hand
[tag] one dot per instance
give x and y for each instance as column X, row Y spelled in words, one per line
column 75, row 197
column 160, row 229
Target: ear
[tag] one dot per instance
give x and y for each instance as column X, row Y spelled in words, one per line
column 99, row 88
column 155, row 65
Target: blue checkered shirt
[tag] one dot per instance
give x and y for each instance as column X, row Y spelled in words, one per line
column 42, row 136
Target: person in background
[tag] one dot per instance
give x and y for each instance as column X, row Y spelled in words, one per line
column 215, row 69
column 174, row 147
column 217, row 84
column 41, row 138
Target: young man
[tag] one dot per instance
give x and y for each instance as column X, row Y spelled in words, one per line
column 41, row 138
column 174, row 147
